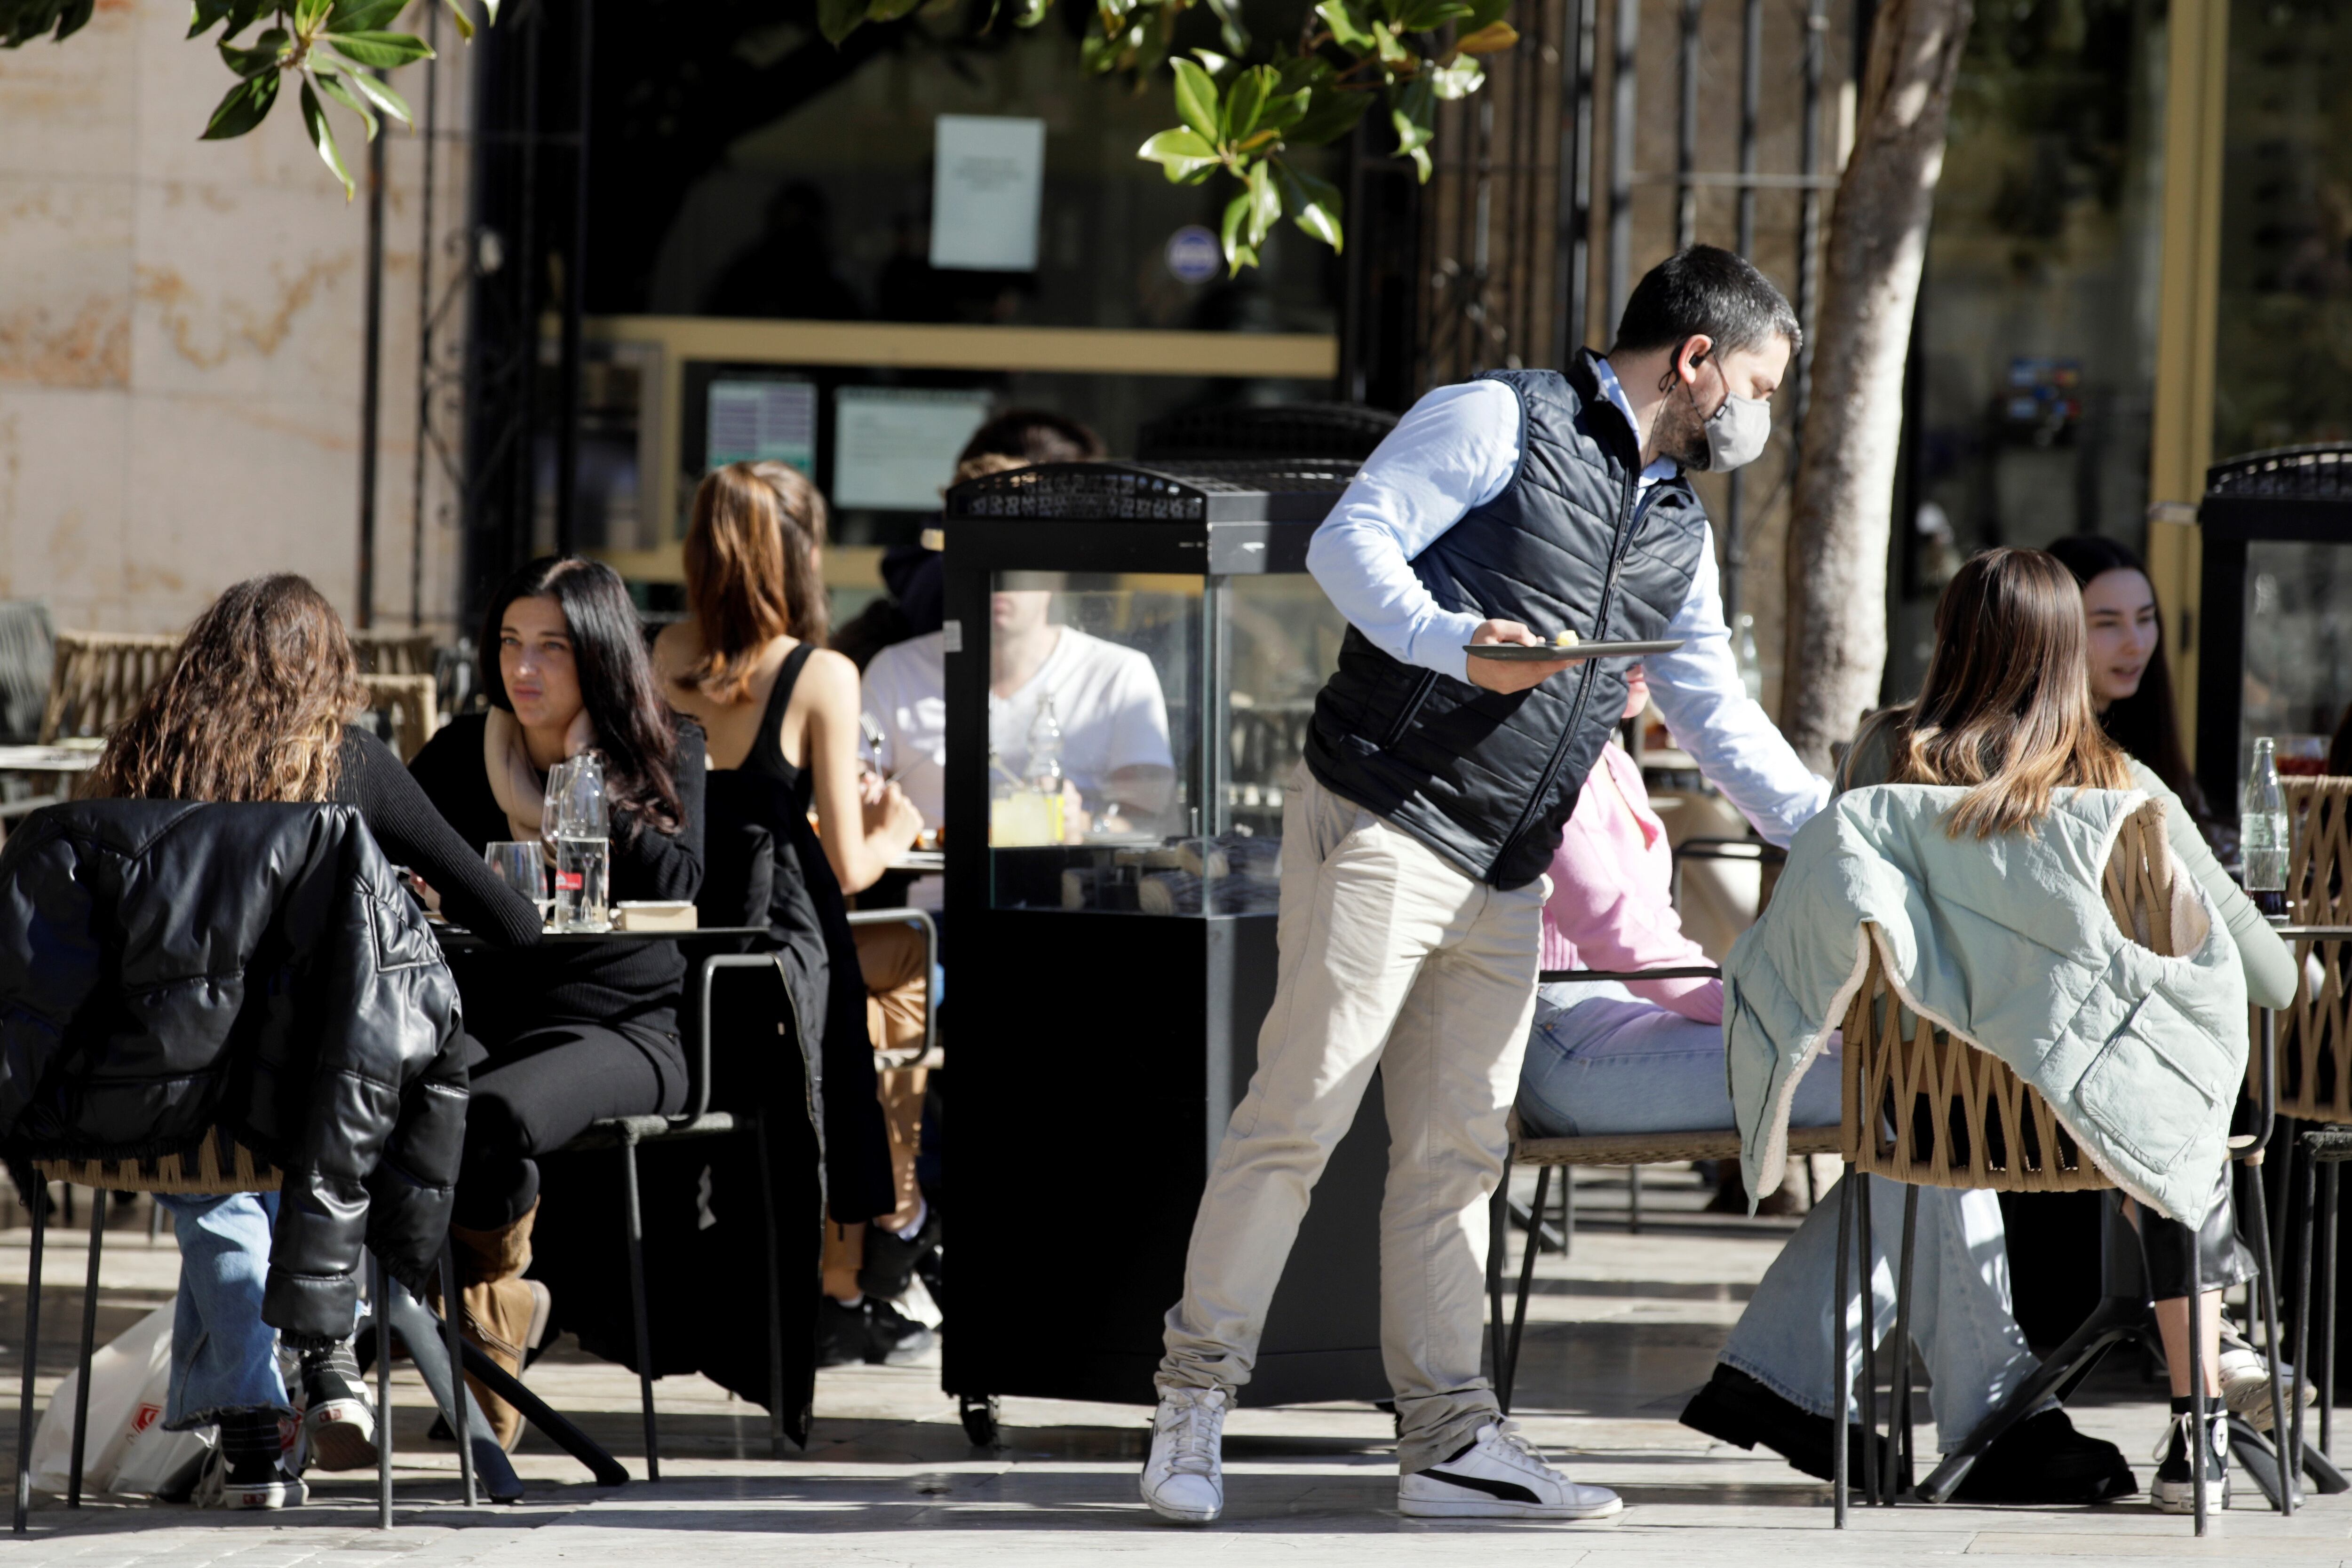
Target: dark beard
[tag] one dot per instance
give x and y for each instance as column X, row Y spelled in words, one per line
column 1680, row 433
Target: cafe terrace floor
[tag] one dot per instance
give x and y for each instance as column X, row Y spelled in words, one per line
column 1619, row 1335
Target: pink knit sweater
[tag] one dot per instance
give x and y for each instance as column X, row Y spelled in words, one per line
column 1611, row 904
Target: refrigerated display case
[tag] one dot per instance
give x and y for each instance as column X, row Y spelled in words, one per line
column 1131, row 659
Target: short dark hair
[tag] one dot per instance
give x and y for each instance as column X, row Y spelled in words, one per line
column 1034, row 435
column 1705, row 289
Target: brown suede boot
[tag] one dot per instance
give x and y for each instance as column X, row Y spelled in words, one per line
column 501, row 1308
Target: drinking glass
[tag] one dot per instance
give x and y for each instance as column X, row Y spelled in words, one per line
column 523, row 867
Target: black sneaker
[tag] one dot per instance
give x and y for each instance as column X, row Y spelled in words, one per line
column 2043, row 1459
column 893, row 1256
column 841, row 1334
column 893, row 1339
column 2174, row 1490
column 1741, row 1411
column 337, row 1420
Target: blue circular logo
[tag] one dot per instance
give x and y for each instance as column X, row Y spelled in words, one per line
column 1193, row 255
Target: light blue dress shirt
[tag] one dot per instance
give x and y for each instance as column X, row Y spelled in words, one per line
column 1456, row 449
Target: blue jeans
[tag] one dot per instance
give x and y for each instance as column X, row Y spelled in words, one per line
column 1608, row 1063
column 223, row 1357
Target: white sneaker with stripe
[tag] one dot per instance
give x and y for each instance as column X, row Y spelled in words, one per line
column 1500, row 1476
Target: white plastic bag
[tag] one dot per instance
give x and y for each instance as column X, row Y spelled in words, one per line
column 125, row 1448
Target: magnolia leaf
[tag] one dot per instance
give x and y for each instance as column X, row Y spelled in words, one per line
column 382, row 95
column 384, row 51
column 1427, row 16
column 1231, row 32
column 1239, row 252
column 1456, row 81
column 1411, row 109
column 1348, row 29
column 1296, row 71
column 836, row 19
column 1283, row 111
column 1333, row 114
column 1392, row 50
column 1484, row 14
column 1196, row 99
column 1216, row 65
column 889, row 10
column 330, row 82
column 1185, row 153
column 363, row 15
column 1314, row 204
column 1491, row 39
column 1244, row 101
column 246, row 105
column 322, row 136
column 1032, row 12
column 310, row 16
column 490, row 10
column 464, row 22
column 265, row 53
column 1266, row 202
column 207, row 14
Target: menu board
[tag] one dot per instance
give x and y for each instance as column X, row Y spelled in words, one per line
column 756, row 421
column 895, row 448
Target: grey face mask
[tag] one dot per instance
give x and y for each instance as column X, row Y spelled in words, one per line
column 1736, row 432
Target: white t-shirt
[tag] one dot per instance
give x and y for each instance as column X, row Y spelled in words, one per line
column 1107, row 700
column 905, row 697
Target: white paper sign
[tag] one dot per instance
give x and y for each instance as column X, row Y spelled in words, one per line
column 749, row 422
column 987, row 185
column 895, row 448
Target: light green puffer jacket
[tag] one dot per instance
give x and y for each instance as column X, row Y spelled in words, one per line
column 2005, row 942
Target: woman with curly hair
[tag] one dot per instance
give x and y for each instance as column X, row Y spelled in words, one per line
column 254, row 709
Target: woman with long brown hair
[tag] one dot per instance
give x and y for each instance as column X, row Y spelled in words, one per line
column 783, row 715
column 256, row 708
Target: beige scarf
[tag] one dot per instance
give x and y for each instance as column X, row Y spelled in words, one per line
column 522, row 789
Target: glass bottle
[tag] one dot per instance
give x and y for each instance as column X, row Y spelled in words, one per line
column 2262, row 830
column 583, row 855
column 1743, row 654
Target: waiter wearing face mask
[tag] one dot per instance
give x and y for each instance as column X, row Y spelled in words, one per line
column 1416, row 831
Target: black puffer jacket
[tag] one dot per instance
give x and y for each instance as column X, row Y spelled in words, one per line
column 169, row 970
column 1486, row 778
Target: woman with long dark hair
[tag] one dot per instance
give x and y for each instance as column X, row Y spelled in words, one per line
column 783, row 715
column 569, row 1034
column 254, row 709
column 2131, row 684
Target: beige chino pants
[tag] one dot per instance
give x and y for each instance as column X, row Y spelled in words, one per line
column 1391, row 958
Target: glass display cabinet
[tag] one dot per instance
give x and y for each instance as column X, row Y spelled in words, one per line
column 2274, row 654
column 1131, row 659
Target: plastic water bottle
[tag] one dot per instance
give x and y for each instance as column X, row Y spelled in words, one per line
column 2262, row 830
column 1743, row 654
column 1046, row 766
column 583, row 853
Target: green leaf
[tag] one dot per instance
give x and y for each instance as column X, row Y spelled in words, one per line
column 330, row 82
column 1484, row 14
column 265, row 53
column 1348, row 28
column 322, row 136
column 1333, row 114
column 1196, row 99
column 1427, row 16
column 247, row 105
column 836, row 19
column 310, row 16
column 1456, row 81
column 1032, row 12
column 1266, row 202
column 207, row 14
column 1283, row 111
column 464, row 19
column 1216, row 65
column 1185, row 153
column 889, row 10
column 1411, row 112
column 1243, row 100
column 1239, row 252
column 363, row 15
column 22, row 21
column 490, row 10
column 383, row 96
column 382, row 51
column 1491, row 39
column 1231, row 32
column 1314, row 204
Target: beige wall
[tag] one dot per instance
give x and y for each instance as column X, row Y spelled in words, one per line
column 180, row 337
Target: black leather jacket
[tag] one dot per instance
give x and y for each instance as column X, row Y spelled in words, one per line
column 169, row 968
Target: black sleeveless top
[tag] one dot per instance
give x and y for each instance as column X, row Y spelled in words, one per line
column 766, row 757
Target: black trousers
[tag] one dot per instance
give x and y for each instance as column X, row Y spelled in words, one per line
column 2169, row 1247
column 539, row 1090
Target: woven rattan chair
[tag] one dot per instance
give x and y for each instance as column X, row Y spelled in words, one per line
column 1927, row 1110
column 410, row 707
column 98, row 678
column 393, row 652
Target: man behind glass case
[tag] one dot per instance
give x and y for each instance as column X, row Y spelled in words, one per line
column 1418, row 827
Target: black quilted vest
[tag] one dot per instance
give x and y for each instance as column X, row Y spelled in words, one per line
column 1486, row 779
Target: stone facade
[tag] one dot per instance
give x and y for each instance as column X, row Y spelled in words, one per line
column 180, row 336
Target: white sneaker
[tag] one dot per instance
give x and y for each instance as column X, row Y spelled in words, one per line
column 1500, row 1476
column 1184, row 1479
column 2246, row 1385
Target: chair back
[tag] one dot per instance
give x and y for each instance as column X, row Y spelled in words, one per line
column 98, row 679
column 407, row 706
column 219, row 1165
column 2315, row 1032
column 393, row 652
column 28, row 660
column 1925, row 1108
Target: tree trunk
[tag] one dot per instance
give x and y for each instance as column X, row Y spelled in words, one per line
column 1835, row 650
